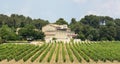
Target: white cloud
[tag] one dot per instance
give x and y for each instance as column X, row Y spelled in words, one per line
column 112, row 7
column 94, row 12
column 106, row 8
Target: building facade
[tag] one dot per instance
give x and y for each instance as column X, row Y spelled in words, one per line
column 58, row 32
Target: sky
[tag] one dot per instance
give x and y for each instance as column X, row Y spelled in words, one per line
column 52, row 10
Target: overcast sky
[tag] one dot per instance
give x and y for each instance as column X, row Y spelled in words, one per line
column 53, row 9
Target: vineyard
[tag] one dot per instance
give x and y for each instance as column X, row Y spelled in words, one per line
column 59, row 52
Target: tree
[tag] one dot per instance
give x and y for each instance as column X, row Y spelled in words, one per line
column 81, row 36
column 39, row 35
column 3, row 19
column 92, row 34
column 90, row 27
column 90, row 37
column 91, row 20
column 39, row 23
column 73, row 21
column 29, row 32
column 28, row 20
column 7, row 33
column 61, row 21
column 108, row 33
column 117, row 22
column 73, row 24
column 118, row 33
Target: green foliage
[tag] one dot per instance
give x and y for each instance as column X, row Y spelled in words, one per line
column 17, row 21
column 51, row 53
column 91, row 20
column 45, row 53
column 7, row 33
column 73, row 21
column 30, row 32
column 39, row 23
column 24, row 54
column 27, row 31
column 39, row 52
column 107, row 33
column 96, row 28
column 118, row 33
column 81, row 36
column 75, row 53
column 103, row 51
column 90, row 27
column 31, row 54
column 63, row 53
column 69, row 53
column 117, row 22
column 80, row 52
column 39, row 35
column 61, row 21
column 57, row 54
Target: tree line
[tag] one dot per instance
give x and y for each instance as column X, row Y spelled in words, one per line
column 95, row 28
column 91, row 27
column 19, row 27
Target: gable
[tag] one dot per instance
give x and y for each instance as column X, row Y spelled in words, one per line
column 48, row 28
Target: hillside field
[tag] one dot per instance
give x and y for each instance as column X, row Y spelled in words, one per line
column 61, row 53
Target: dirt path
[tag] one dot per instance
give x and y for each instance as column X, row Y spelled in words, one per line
column 54, row 55
column 67, row 56
column 46, row 57
column 29, row 60
column 37, row 60
column 60, row 55
column 75, row 59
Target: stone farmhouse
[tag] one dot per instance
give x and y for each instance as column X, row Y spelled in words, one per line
column 58, row 32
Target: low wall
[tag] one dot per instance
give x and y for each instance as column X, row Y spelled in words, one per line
column 63, row 40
